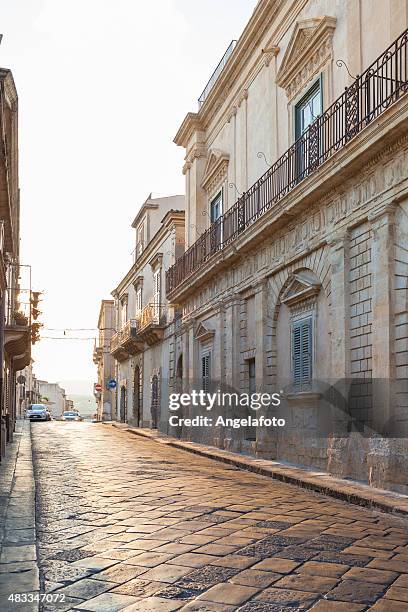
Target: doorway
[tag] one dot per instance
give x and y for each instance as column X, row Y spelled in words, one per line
column 136, row 397
column 155, row 402
column 123, row 405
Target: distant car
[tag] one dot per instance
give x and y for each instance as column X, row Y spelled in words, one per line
column 38, row 412
column 71, row 416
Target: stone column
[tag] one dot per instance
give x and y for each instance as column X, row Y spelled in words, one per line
column 382, row 221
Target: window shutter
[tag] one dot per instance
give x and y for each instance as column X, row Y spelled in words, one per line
column 306, row 339
column 302, row 351
column 157, row 287
column 205, row 371
column 296, row 354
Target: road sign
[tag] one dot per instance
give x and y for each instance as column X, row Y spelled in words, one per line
column 97, row 387
column 112, row 384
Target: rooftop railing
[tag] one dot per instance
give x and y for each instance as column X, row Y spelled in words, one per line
column 220, row 67
column 370, row 95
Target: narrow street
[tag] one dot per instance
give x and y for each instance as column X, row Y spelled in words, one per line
column 123, row 521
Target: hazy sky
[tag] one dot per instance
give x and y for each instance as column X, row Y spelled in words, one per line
column 103, row 86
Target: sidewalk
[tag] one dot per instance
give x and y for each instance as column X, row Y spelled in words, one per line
column 321, row 482
column 18, row 552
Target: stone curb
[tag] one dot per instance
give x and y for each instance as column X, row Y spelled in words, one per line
column 320, row 482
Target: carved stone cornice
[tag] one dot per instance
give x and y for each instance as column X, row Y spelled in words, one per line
column 197, row 150
column 203, row 333
column 138, row 282
column 242, row 96
column 215, row 170
column 383, row 210
column 156, row 260
column 309, row 48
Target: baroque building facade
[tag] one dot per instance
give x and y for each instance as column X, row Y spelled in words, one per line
column 143, row 343
column 295, row 273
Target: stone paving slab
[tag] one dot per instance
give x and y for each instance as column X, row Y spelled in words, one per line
column 136, row 525
column 322, row 482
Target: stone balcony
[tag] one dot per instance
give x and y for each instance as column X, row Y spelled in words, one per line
column 97, row 354
column 153, row 320
column 127, row 341
column 130, row 338
column 116, row 349
column 17, row 344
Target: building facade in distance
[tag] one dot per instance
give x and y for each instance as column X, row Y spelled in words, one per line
column 145, row 322
column 104, row 361
column 15, row 309
column 54, row 397
column 295, row 273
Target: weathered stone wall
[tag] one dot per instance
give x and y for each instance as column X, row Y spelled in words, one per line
column 362, row 306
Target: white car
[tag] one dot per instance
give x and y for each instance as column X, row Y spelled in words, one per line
column 69, row 415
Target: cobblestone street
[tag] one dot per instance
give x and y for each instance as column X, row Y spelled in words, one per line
column 125, row 523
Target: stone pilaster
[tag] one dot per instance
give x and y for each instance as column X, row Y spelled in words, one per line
column 382, row 220
column 260, row 334
column 340, row 299
column 232, row 341
column 265, row 438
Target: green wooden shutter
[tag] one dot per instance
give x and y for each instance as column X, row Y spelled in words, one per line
column 302, row 351
column 205, row 371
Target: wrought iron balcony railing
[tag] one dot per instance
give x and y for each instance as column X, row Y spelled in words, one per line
column 220, row 67
column 115, row 342
column 372, row 92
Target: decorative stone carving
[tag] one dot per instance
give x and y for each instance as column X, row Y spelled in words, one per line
column 299, row 289
column 215, row 170
column 242, row 96
column 203, row 333
column 309, row 48
column 269, row 53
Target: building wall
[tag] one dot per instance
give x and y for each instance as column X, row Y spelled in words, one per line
column 55, row 395
column 150, row 360
column 256, row 115
column 341, row 232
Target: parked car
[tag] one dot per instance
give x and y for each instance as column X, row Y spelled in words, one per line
column 70, row 415
column 38, row 412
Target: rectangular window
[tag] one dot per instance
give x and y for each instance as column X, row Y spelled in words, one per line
column 157, row 294
column 139, row 303
column 206, row 371
column 216, row 207
column 139, row 240
column 308, row 149
column 123, row 312
column 308, row 109
column 302, row 352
